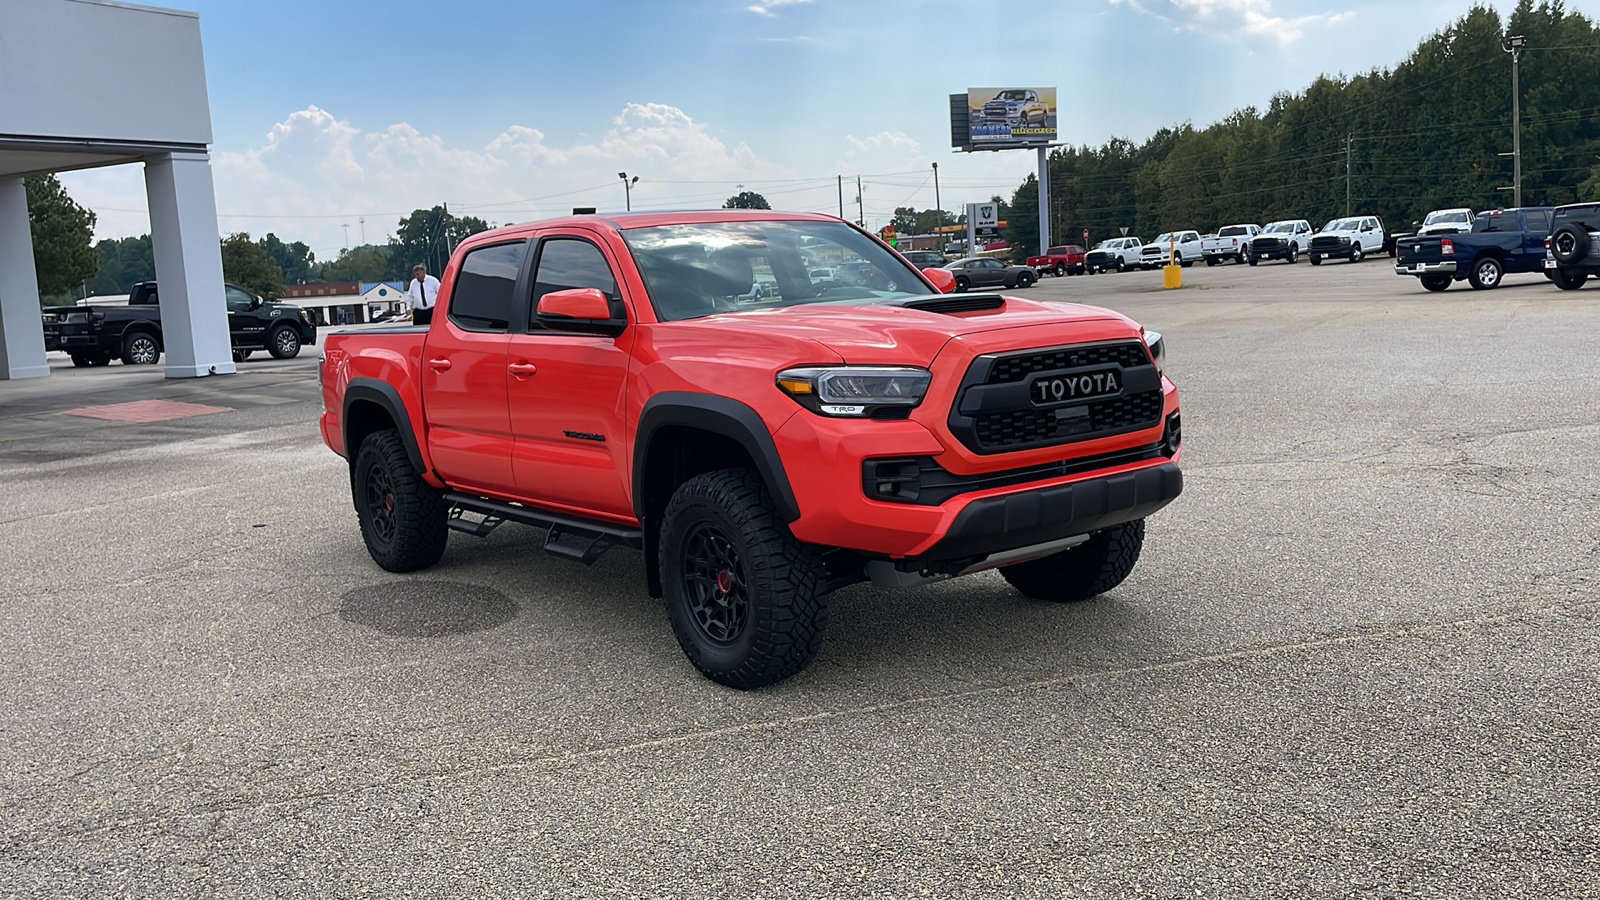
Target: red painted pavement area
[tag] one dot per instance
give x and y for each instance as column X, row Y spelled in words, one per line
column 146, row 411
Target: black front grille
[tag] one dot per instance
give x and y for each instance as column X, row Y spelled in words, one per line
column 1327, row 242
column 1031, row 426
column 1267, row 243
column 1016, row 368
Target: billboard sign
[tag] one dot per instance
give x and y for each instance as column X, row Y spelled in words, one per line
column 1010, row 117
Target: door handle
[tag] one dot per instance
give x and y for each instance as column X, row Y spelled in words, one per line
column 439, row 364
column 522, row 369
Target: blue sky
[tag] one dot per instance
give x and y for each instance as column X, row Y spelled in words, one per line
column 328, row 113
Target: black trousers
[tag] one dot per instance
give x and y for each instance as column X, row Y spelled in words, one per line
column 422, row 316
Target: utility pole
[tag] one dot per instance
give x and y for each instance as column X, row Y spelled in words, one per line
column 1514, row 45
column 938, row 212
column 363, row 221
column 346, row 227
column 841, row 196
column 1349, row 140
column 861, row 205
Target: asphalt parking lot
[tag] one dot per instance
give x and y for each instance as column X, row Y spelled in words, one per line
column 1360, row 656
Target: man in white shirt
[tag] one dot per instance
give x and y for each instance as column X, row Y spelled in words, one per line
column 422, row 294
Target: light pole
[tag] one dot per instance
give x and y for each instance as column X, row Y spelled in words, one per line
column 627, row 187
column 1514, row 45
column 938, row 212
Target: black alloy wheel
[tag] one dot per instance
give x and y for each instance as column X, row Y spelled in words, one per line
column 716, row 584
column 403, row 518
column 1024, row 279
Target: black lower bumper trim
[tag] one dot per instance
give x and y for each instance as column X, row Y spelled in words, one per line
column 1048, row 514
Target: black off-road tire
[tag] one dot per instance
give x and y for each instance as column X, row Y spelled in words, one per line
column 1435, row 282
column 1078, row 573
column 1570, row 243
column 1569, row 281
column 402, row 517
column 284, row 343
column 141, row 349
column 1486, row 274
column 747, row 601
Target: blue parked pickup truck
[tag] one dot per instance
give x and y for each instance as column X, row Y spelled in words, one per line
column 1500, row 242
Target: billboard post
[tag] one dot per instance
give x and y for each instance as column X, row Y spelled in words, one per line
column 1044, row 202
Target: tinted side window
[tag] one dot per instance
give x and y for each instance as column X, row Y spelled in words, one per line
column 567, row 263
column 483, row 291
column 1539, row 222
column 1499, row 222
column 237, row 299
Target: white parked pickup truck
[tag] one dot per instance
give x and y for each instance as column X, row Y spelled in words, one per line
column 1230, row 242
column 1280, row 240
column 1354, row 239
column 1182, row 247
column 1115, row 255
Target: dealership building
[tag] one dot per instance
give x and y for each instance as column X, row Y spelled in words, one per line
column 90, row 83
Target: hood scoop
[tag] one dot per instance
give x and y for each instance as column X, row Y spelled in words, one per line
column 949, row 304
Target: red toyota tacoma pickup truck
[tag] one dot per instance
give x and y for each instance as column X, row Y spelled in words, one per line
column 693, row 386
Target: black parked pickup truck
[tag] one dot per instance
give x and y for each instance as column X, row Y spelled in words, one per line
column 1573, row 250
column 131, row 332
column 1500, row 242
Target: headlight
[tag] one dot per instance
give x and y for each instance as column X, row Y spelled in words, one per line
column 855, row 390
column 1158, row 347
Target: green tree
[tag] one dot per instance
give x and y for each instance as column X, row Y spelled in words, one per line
column 62, row 231
column 245, row 264
column 368, row 262
column 746, row 200
column 427, row 236
column 298, row 263
column 123, row 263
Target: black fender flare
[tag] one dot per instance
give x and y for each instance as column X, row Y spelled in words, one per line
column 384, row 394
column 718, row 415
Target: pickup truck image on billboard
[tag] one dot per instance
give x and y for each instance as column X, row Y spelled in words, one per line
column 1012, row 116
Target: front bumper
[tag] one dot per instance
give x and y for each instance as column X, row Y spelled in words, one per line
column 1426, row 268
column 994, row 524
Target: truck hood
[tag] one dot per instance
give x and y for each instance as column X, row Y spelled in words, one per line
column 890, row 334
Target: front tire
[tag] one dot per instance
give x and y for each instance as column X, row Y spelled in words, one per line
column 1024, row 279
column 1251, row 260
column 1486, row 274
column 1316, row 260
column 1435, row 282
column 285, row 344
column 1356, row 254
column 1294, row 254
column 1078, row 573
column 962, row 284
column 403, row 518
column 747, row 601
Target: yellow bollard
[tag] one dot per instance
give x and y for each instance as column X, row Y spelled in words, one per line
column 1171, row 277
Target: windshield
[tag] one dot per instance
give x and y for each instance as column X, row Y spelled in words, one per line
column 1011, row 95
column 1279, row 228
column 1162, row 238
column 719, row 267
column 1438, row 218
column 1342, row 225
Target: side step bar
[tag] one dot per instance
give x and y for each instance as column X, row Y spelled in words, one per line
column 589, row 540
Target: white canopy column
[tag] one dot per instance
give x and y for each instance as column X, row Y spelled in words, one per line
column 183, row 235
column 21, row 331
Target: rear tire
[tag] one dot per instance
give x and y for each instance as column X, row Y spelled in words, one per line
column 1078, row 573
column 140, row 349
column 402, row 517
column 1435, row 282
column 1486, row 274
column 1060, row 270
column 747, row 601
column 1569, row 281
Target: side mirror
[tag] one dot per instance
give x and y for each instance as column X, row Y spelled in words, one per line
column 578, row 309
column 943, row 279
column 255, row 302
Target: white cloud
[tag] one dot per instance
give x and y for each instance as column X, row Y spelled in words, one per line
column 766, row 7
column 1251, row 21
